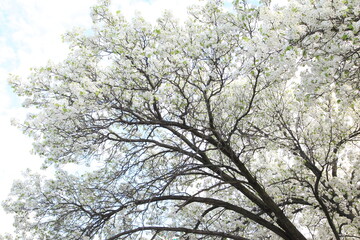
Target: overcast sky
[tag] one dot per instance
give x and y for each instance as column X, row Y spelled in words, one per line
column 30, row 35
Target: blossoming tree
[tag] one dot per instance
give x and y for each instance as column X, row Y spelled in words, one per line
column 236, row 124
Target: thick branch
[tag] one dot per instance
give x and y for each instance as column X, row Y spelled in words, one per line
column 219, row 203
column 177, row 229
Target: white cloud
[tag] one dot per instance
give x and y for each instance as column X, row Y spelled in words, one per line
column 7, row 53
column 5, row 99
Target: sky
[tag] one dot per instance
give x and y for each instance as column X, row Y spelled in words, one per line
column 30, row 35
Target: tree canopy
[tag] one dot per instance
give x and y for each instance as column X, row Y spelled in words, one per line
column 239, row 123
